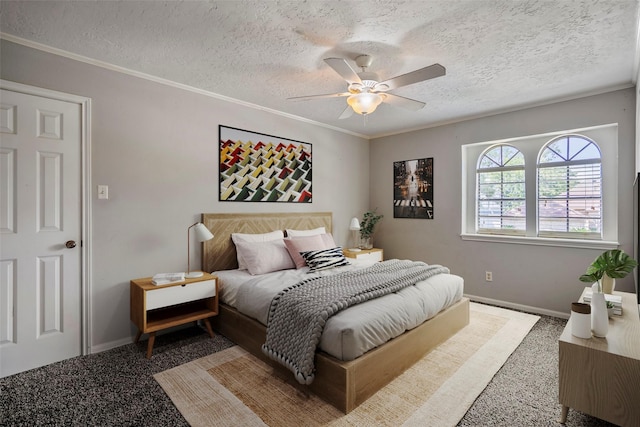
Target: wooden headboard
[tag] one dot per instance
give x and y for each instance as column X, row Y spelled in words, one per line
column 219, row 253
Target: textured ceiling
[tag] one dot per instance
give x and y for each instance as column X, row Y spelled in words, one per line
column 499, row 54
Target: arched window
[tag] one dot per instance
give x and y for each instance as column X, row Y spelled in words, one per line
column 501, row 191
column 570, row 188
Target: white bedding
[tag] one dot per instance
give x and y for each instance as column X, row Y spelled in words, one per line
column 356, row 330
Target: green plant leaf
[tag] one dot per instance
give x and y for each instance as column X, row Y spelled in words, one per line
column 615, row 263
column 589, row 278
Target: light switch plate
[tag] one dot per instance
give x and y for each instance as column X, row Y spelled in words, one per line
column 103, row 191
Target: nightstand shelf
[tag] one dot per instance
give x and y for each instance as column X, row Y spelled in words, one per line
column 154, row 308
column 164, row 318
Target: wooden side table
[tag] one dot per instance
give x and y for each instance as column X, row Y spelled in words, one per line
column 601, row 376
column 374, row 254
column 154, row 308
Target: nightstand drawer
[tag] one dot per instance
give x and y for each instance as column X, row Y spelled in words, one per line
column 370, row 256
column 164, row 297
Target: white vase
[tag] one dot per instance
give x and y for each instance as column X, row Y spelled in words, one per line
column 608, row 284
column 599, row 314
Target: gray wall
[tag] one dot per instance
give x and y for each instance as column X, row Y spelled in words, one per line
column 523, row 275
column 155, row 146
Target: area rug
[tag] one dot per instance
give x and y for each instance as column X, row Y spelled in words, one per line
column 232, row 387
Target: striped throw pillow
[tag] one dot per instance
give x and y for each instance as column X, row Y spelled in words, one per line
column 324, row 259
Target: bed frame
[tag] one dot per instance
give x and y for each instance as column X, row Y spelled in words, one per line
column 345, row 385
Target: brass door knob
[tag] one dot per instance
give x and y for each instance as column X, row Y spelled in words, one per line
column 70, row 244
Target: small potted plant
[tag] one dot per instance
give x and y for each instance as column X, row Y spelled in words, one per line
column 610, row 265
column 369, row 221
column 610, row 308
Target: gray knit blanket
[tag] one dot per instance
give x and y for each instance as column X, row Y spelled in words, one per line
column 297, row 314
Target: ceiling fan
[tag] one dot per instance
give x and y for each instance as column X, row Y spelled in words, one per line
column 365, row 91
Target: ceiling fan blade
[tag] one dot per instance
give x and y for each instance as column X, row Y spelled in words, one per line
column 426, row 73
column 402, row 102
column 342, row 67
column 328, row 95
column 348, row 112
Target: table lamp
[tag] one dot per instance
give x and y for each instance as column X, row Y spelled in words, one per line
column 355, row 228
column 202, row 234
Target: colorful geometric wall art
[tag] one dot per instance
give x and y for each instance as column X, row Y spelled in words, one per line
column 256, row 167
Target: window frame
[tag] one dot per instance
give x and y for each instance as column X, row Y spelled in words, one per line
column 605, row 137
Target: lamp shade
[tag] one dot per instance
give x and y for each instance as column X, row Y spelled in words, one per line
column 365, row 102
column 202, row 233
column 355, row 224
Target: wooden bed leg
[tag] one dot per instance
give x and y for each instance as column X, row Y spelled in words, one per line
column 563, row 415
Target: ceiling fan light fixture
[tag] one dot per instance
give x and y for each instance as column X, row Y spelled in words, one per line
column 364, row 103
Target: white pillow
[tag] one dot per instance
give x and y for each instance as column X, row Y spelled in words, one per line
column 300, row 233
column 265, row 257
column 264, row 237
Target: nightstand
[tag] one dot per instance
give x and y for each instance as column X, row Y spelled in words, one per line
column 600, row 376
column 154, row 308
column 374, row 254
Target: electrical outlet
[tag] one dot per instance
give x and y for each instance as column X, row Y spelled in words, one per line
column 488, row 276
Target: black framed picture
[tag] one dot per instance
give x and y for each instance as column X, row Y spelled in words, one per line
column 256, row 167
column 413, row 188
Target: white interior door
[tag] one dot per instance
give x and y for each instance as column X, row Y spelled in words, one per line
column 40, row 231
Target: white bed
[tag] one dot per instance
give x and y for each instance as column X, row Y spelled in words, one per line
column 376, row 359
column 354, row 331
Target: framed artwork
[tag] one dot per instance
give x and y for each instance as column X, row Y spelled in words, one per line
column 413, row 188
column 255, row 167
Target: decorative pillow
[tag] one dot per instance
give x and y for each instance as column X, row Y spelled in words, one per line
column 301, row 233
column 264, row 237
column 265, row 257
column 325, row 259
column 295, row 245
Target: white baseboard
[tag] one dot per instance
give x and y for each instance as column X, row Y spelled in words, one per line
column 109, row 345
column 527, row 308
column 125, row 341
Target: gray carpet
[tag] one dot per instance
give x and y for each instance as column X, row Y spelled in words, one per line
column 116, row 387
column 525, row 390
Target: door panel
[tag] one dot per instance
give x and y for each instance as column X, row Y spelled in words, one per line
column 40, row 209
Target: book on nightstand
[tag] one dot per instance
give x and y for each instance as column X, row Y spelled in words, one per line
column 615, row 300
column 167, row 278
